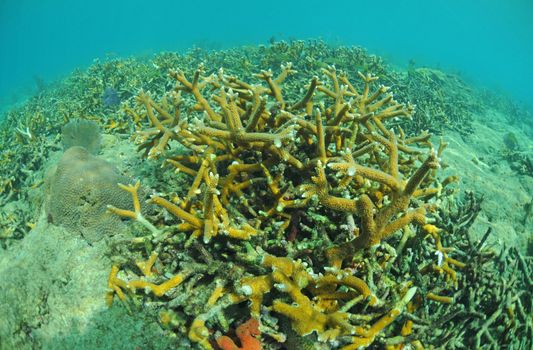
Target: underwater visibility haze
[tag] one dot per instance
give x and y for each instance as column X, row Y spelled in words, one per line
column 266, row 175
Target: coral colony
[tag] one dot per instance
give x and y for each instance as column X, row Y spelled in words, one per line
column 255, row 155
column 294, row 205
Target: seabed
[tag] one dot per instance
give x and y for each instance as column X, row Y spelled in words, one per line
column 290, row 196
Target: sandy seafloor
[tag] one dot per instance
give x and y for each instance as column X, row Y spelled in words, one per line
column 477, row 159
column 54, row 282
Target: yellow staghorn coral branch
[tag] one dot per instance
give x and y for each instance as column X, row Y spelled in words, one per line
column 198, row 333
column 439, row 298
column 321, row 143
column 444, row 263
column 146, row 266
column 161, row 289
column 226, row 101
column 213, row 214
column 210, row 218
column 206, row 163
column 243, row 233
column 350, row 168
column 217, row 293
column 177, row 211
column 378, row 226
column 273, row 84
column 240, row 136
column 256, row 113
column 195, row 90
column 305, row 318
column 291, row 277
column 307, row 101
column 349, row 281
column 365, row 337
column 115, row 285
column 320, row 189
column 137, row 213
column 254, row 288
column 180, row 167
column 161, row 142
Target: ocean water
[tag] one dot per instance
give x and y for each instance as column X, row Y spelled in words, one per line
column 488, row 42
column 294, row 175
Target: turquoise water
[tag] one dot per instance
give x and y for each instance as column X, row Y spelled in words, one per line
column 488, row 42
column 291, row 211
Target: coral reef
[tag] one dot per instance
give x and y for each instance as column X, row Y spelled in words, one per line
column 300, row 204
column 246, row 333
column 483, row 311
column 443, row 101
column 255, row 155
column 519, row 159
column 38, row 122
column 78, row 191
column 82, row 133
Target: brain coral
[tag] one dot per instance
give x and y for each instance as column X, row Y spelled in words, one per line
column 79, row 190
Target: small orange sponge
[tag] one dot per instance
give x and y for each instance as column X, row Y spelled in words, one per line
column 246, row 333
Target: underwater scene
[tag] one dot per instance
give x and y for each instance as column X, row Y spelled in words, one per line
column 238, row 175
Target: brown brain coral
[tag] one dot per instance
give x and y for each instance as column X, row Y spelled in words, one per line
column 79, row 190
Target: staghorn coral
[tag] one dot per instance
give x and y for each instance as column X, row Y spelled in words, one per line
column 253, row 175
column 255, row 156
column 38, row 121
column 443, row 101
column 225, row 135
column 483, row 311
